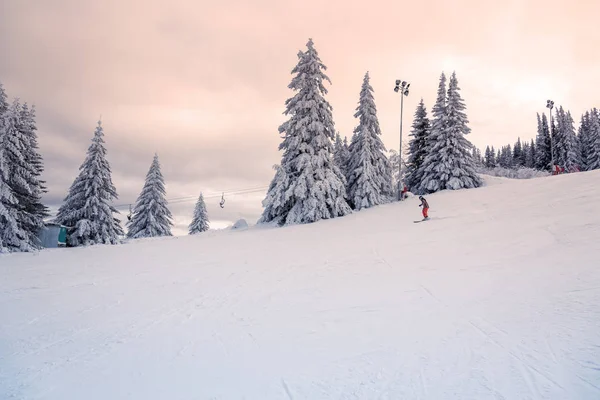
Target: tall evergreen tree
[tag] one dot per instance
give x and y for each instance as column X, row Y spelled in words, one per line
column 21, row 174
column 531, row 155
column 583, row 137
column 417, row 147
column 449, row 164
column 200, row 221
column 33, row 203
column 369, row 174
column 543, row 156
column 517, row 160
column 311, row 187
column 525, row 154
column 593, row 156
column 490, row 157
column 12, row 235
column 151, row 216
column 87, row 210
column 566, row 146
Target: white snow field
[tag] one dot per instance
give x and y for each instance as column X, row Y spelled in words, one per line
column 497, row 297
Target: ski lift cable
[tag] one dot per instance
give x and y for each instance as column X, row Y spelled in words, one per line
column 175, row 200
column 178, row 200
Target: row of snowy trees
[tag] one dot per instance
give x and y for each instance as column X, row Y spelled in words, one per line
column 21, row 187
column 521, row 154
column 572, row 151
column 440, row 156
column 321, row 176
column 88, row 212
column 316, row 178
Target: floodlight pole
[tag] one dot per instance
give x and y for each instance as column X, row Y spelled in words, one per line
column 401, row 87
column 550, row 106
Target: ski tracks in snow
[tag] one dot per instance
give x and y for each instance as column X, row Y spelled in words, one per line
column 528, row 370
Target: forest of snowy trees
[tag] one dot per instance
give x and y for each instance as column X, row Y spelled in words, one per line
column 562, row 146
column 321, row 175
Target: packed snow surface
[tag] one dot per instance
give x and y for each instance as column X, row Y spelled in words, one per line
column 496, row 297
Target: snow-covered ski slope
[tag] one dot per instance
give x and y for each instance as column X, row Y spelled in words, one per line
column 497, row 297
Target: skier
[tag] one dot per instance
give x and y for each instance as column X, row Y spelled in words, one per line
column 425, row 206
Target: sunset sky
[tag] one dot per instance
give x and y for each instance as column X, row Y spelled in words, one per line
column 203, row 83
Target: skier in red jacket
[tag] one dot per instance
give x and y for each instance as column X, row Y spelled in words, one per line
column 425, row 206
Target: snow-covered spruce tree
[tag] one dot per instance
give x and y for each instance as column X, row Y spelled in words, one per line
column 151, row 217
column 517, row 154
column 583, row 137
column 341, row 154
column 593, row 156
column 369, row 174
column 449, row 164
column 21, row 174
column 566, row 145
column 12, row 235
column 200, row 221
column 530, row 155
column 543, row 143
column 33, row 203
column 87, row 209
column 418, row 148
column 477, row 157
column 490, row 157
column 309, row 185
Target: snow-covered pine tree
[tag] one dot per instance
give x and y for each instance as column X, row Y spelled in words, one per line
column 341, row 153
column 33, row 204
column 517, row 160
column 507, row 157
column 311, row 187
column 531, row 155
column 200, row 221
column 22, row 177
column 369, row 179
column 566, row 146
column 417, row 148
column 543, row 143
column 525, row 154
column 583, row 137
column 449, row 164
column 490, row 157
column 12, row 236
column 151, row 216
column 593, row 157
column 87, row 209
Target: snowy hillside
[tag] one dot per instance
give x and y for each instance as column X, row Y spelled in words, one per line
column 497, row 297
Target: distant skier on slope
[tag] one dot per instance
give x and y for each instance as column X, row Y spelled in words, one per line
column 425, row 206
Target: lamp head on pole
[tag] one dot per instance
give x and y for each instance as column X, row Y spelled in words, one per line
column 402, row 87
column 549, row 104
